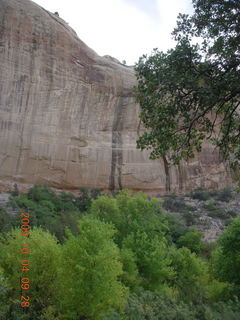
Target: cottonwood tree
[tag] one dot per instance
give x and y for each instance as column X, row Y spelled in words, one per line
column 90, row 270
column 226, row 258
column 37, row 267
column 192, row 92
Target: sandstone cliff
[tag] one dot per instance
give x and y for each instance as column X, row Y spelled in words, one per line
column 68, row 117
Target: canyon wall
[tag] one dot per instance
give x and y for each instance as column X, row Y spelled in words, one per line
column 68, row 117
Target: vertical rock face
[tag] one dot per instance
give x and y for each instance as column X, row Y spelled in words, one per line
column 68, row 117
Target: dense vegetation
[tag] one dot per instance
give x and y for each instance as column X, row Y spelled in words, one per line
column 115, row 257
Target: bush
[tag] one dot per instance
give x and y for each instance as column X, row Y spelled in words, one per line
column 6, row 221
column 15, row 191
column 157, row 306
column 225, row 310
column 201, row 194
column 85, row 198
column 41, row 192
column 216, row 211
column 191, row 240
column 174, row 204
column 190, row 218
column 225, row 195
column 227, row 256
column 53, row 212
column 130, row 214
column 176, row 227
column 190, row 275
column 207, row 249
column 232, row 213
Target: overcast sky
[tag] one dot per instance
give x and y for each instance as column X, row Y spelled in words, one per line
column 124, row 29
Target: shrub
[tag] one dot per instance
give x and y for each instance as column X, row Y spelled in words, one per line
column 207, row 249
column 190, row 274
column 174, row 204
column 6, row 221
column 225, row 195
column 130, row 214
column 85, row 198
column 201, row 194
column 191, row 240
column 15, row 191
column 216, row 211
column 176, row 227
column 41, row 192
column 190, row 218
column 157, row 306
column 227, row 256
column 225, row 310
column 232, row 213
column 44, row 257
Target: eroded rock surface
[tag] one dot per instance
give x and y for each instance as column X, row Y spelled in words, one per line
column 68, row 117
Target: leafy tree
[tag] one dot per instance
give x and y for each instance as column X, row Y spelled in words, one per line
column 191, row 240
column 44, row 258
column 53, row 212
column 190, row 274
column 152, row 259
column 41, row 192
column 218, row 291
column 90, row 270
column 191, row 93
column 130, row 275
column 176, row 227
column 85, row 198
column 227, row 255
column 157, row 306
column 6, row 220
column 130, row 213
column 224, row 310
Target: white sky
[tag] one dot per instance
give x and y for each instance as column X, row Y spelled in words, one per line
column 124, row 29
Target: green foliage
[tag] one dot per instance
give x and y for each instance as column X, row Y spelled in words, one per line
column 40, row 193
column 227, row 255
column 225, row 195
column 157, row 306
column 112, row 315
column 176, row 204
column 15, row 191
column 190, row 218
column 217, row 291
column 130, row 276
column 44, row 257
column 119, row 245
column 201, row 194
column 190, row 274
column 176, row 227
column 191, row 240
column 130, row 214
column 85, row 198
column 181, row 90
column 207, row 249
column 90, row 270
column 51, row 211
column 6, row 221
column 224, row 311
column 216, row 211
column 151, row 258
